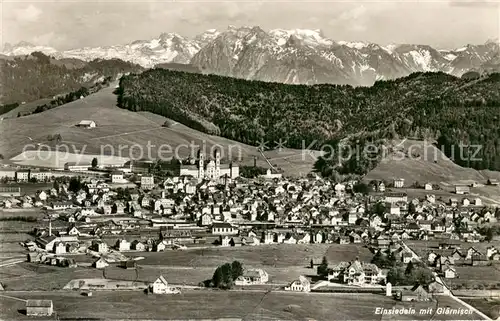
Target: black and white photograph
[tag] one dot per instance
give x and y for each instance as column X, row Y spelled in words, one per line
column 248, row 160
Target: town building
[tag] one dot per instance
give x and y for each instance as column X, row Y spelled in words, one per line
column 396, row 197
column 223, row 228
column 147, row 182
column 399, row 183
column 356, row 273
column 117, row 177
column 8, row 191
column 209, row 169
column 76, row 167
column 23, row 175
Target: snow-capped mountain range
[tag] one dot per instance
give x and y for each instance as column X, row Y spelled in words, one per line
column 289, row 56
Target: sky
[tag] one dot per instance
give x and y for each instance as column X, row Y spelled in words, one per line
column 66, row 24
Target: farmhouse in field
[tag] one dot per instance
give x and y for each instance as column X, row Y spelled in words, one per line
column 416, row 294
column 252, row 276
column 300, row 285
column 160, row 286
column 462, row 189
column 100, row 263
column 87, row 124
column 494, row 182
column 39, row 308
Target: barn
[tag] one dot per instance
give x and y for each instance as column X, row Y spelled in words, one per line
column 39, row 308
column 87, row 124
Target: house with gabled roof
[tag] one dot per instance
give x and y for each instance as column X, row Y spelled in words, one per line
column 160, row 286
column 450, row 272
column 302, row 284
column 100, row 263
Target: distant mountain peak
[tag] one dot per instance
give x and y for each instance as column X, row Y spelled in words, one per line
column 283, row 55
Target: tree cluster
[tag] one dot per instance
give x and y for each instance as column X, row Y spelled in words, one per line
column 225, row 275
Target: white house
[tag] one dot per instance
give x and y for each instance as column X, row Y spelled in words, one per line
column 160, row 286
column 100, row 263
column 224, row 229
column 224, row 240
column 60, row 248
column 147, row 182
column 300, row 285
column 123, row 245
column 117, row 177
column 450, row 272
column 399, row 183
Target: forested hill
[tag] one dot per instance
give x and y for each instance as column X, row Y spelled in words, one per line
column 35, row 76
column 423, row 105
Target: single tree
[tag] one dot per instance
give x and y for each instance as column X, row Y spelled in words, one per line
column 94, row 162
column 236, row 269
column 322, row 269
column 75, row 185
column 489, row 234
column 409, row 268
column 217, row 278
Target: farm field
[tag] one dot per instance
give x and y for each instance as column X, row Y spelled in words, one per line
column 476, row 277
column 490, row 307
column 282, row 255
column 39, row 277
column 283, row 263
column 57, row 159
column 193, row 276
column 219, row 304
column 431, row 165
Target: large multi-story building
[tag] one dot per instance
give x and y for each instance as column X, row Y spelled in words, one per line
column 209, row 169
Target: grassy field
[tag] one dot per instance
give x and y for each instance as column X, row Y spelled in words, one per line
column 217, row 304
column 432, row 166
column 282, row 255
column 490, row 307
column 429, row 164
column 117, row 127
column 57, row 159
column 28, row 276
column 283, row 263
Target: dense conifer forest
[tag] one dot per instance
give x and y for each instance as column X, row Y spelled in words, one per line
column 28, row 78
column 446, row 109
